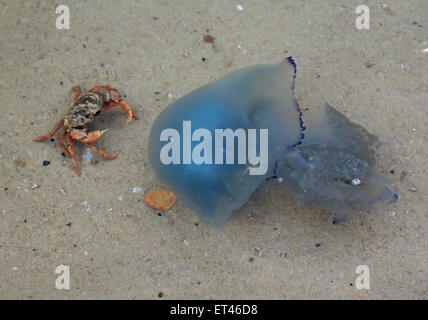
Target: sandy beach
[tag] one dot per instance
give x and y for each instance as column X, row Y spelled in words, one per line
column 154, row 52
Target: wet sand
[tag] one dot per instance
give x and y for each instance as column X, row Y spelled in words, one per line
column 154, row 53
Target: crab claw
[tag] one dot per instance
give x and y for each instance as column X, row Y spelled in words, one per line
column 94, row 136
column 87, row 137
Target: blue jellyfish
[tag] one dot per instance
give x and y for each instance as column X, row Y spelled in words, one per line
column 215, row 146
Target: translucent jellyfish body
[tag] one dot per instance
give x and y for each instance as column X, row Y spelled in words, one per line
column 254, row 98
column 333, row 168
column 326, row 161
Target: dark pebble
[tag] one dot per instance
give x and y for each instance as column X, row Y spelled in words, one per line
column 46, row 163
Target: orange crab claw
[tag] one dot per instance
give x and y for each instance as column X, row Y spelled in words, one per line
column 87, row 137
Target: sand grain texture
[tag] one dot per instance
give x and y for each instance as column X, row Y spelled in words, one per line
column 154, row 53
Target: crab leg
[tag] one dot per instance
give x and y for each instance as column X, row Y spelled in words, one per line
column 51, row 133
column 100, row 152
column 61, row 143
column 70, row 150
column 125, row 108
column 77, row 92
column 122, row 103
column 98, row 88
column 88, row 137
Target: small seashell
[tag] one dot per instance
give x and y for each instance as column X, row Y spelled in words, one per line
column 137, row 190
column 88, row 155
column 160, row 199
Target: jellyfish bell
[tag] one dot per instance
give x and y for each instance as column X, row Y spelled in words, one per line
column 255, row 98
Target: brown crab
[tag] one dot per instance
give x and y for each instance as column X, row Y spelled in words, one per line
column 82, row 112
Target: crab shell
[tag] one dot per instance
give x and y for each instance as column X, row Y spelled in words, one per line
column 84, row 110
